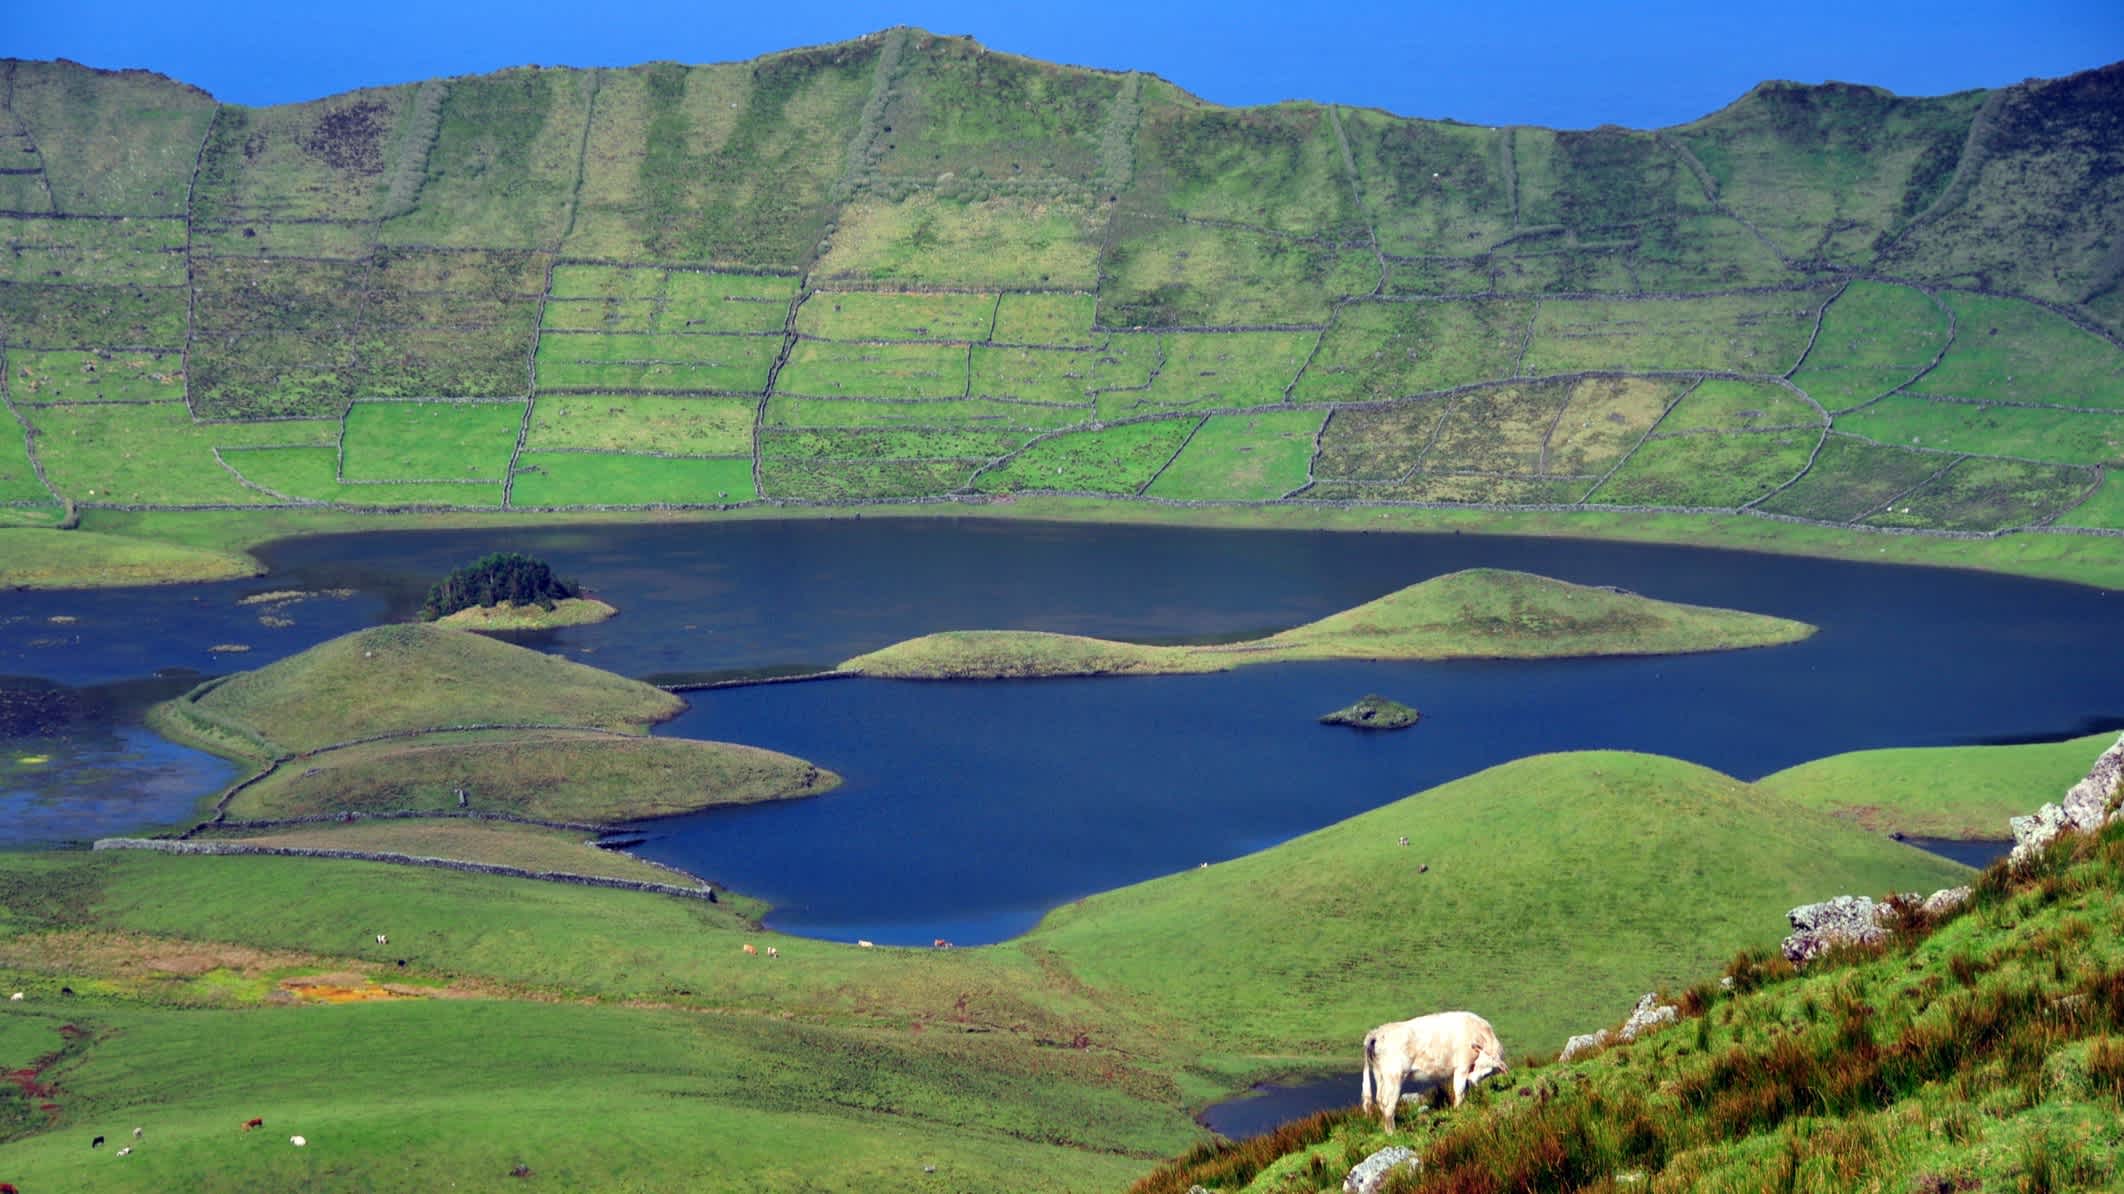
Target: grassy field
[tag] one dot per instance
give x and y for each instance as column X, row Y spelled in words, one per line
column 42, row 378
column 393, row 678
column 1707, row 470
column 584, row 478
column 881, row 315
column 1216, row 370
column 1750, row 333
column 1874, row 338
column 943, row 241
column 2067, row 437
column 1980, row 494
column 1250, row 457
column 153, row 454
column 729, row 363
column 825, row 369
column 430, row 441
column 555, row 775
column 1119, row 459
column 634, row 423
column 1719, row 404
column 312, row 474
column 1481, row 613
column 1062, row 320
column 1389, row 350
column 1951, row 792
column 1852, row 477
column 2013, row 351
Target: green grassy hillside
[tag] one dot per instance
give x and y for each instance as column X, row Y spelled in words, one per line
column 1981, row 1051
column 1557, row 889
column 1949, row 792
column 1534, row 892
column 905, row 267
column 1480, row 613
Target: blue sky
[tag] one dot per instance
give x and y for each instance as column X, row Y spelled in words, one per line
column 1564, row 64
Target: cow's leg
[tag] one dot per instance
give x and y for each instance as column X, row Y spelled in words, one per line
column 1460, row 1084
column 1390, row 1093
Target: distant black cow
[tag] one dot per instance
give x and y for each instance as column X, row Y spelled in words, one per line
column 96, row 1143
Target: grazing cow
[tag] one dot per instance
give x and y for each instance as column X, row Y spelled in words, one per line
column 8, row 1188
column 1459, row 1048
column 96, row 1143
column 865, row 944
column 17, row 997
column 127, row 1151
column 751, row 949
column 139, row 1132
column 383, row 939
column 940, row 943
column 772, row 952
column 297, row 1141
column 253, row 1122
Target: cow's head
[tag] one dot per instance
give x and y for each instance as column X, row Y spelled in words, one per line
column 1486, row 1064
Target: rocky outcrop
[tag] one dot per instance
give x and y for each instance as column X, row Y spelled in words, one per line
column 2087, row 806
column 1845, row 920
column 1371, row 1173
column 1374, row 712
column 1649, row 1014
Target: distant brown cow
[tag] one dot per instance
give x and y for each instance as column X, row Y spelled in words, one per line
column 253, row 1122
column 1459, row 1048
column 751, row 949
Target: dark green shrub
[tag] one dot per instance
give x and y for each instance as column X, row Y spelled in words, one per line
column 503, row 576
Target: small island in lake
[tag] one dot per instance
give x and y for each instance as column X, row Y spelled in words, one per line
column 416, row 741
column 1374, row 712
column 510, row 591
column 1481, row 613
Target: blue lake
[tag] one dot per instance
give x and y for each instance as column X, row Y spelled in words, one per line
column 972, row 808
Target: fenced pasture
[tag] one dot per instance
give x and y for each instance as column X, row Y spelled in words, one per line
column 544, row 479
column 97, row 375
column 638, row 423
column 1256, row 457
column 429, row 441
column 905, row 267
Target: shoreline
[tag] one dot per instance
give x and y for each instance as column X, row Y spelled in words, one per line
column 2054, row 555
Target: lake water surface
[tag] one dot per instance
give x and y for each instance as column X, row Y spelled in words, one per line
column 970, row 808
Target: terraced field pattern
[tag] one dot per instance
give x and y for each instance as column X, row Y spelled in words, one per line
column 907, row 269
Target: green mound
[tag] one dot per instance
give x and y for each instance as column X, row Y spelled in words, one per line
column 1482, row 613
column 1374, row 712
column 403, row 678
column 1558, row 889
column 551, row 775
column 1939, row 791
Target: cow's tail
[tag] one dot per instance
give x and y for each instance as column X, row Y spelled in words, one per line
column 1371, row 1057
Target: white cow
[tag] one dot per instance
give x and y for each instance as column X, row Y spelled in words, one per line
column 1447, row 1047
